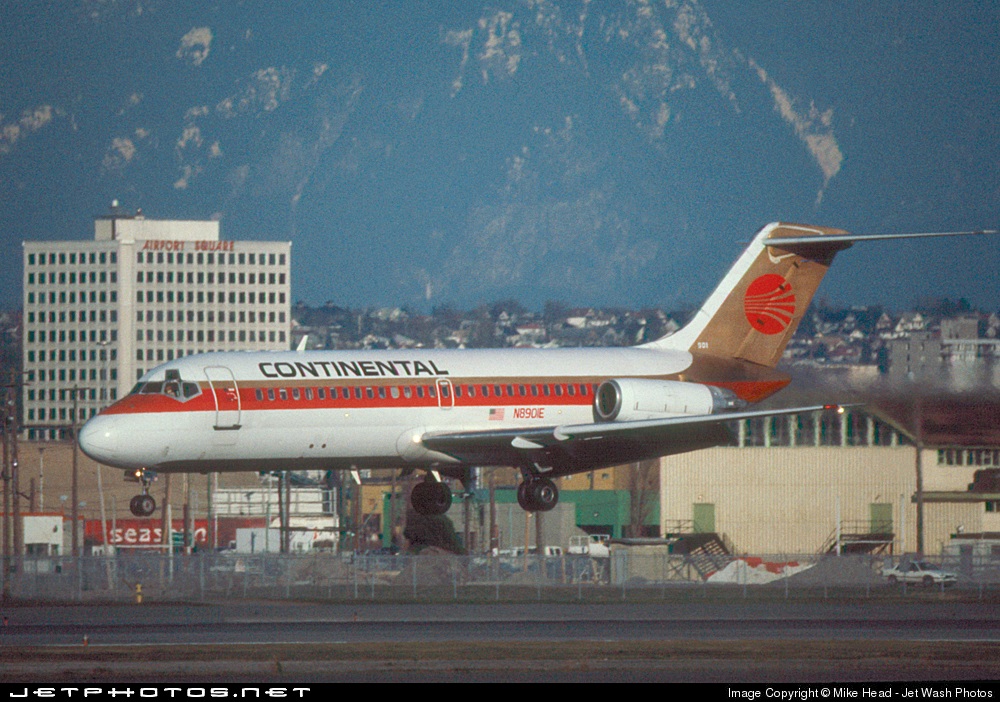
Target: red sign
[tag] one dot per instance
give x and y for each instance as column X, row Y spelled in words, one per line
column 170, row 245
column 149, row 532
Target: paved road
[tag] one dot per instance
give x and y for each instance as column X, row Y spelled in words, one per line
column 926, row 640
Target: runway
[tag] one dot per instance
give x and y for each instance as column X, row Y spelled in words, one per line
column 263, row 641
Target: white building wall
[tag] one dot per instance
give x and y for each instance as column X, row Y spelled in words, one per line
column 44, row 530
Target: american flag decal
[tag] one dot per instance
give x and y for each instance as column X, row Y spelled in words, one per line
column 496, row 413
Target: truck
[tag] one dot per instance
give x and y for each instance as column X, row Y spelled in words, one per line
column 593, row 545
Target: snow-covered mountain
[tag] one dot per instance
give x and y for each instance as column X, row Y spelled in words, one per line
column 429, row 152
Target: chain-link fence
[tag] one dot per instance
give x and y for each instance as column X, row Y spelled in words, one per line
column 155, row 576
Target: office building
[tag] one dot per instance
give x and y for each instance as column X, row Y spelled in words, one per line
column 98, row 314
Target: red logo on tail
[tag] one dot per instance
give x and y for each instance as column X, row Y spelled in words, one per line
column 769, row 304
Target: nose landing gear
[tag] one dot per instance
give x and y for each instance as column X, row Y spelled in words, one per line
column 142, row 505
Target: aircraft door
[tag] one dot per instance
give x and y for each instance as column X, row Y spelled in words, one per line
column 445, row 393
column 228, row 409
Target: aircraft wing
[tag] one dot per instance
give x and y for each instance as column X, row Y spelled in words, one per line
column 579, row 447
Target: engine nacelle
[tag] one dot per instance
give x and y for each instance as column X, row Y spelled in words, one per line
column 627, row 399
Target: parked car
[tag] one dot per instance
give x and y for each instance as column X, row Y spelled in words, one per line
column 919, row 572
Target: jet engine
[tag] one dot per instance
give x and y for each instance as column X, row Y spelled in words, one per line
column 627, row 399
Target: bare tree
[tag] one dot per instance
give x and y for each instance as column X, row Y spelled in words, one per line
column 644, row 487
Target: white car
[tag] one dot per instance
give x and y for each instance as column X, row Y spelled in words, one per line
column 919, row 572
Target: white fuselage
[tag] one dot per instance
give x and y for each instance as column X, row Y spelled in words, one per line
column 257, row 411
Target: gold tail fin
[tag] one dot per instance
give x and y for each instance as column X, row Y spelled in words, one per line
column 756, row 308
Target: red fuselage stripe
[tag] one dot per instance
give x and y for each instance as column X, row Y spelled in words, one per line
column 294, row 397
column 257, row 399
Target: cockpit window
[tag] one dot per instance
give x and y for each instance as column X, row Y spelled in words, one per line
column 173, row 386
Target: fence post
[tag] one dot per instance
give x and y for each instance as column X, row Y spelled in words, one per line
column 541, row 567
column 286, row 571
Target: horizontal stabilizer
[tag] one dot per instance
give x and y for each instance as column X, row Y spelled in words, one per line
column 847, row 238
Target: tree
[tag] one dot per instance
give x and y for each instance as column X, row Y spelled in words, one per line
column 423, row 531
column 644, row 491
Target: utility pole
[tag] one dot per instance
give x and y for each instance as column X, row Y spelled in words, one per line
column 15, row 475
column 494, row 541
column 13, row 536
column 287, row 540
column 74, row 508
column 7, row 535
column 41, row 478
column 919, row 433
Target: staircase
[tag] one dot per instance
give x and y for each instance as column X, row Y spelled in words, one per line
column 859, row 538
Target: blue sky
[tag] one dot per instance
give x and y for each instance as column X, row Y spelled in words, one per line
column 430, row 153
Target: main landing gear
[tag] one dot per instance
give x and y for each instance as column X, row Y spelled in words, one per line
column 142, row 505
column 430, row 497
column 537, row 493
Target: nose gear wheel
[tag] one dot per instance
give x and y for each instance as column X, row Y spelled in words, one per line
column 143, row 504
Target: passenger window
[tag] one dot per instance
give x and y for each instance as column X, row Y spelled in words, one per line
column 431, row 392
column 260, row 395
column 510, row 391
column 381, row 392
column 309, row 393
column 295, row 393
column 522, row 391
column 282, row 393
column 486, row 391
column 420, row 391
column 472, row 391
column 320, row 393
column 394, row 391
column 407, row 392
column 270, row 394
column 370, row 393
column 545, row 390
column 559, row 390
column 498, row 391
column 571, row 388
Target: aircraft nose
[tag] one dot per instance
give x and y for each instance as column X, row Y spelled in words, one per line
column 99, row 438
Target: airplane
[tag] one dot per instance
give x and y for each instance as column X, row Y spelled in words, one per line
column 547, row 412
